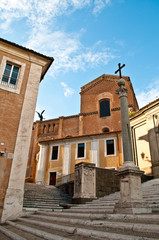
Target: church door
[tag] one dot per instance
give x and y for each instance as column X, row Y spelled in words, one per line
column 53, row 178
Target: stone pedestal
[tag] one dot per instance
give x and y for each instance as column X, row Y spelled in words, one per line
column 131, row 201
column 85, row 182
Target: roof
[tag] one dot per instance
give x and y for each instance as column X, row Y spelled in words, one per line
column 46, row 139
column 50, row 59
column 107, row 77
column 145, row 108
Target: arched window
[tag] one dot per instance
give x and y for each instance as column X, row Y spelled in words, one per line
column 104, row 108
column 105, row 129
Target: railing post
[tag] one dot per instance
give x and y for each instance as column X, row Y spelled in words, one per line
column 85, row 182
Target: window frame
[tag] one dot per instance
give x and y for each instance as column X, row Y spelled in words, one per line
column 10, row 76
column 105, row 145
column 10, row 87
column 84, row 157
column 102, row 100
column 54, row 160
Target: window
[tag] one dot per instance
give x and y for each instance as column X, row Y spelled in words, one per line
column 54, row 153
column 106, row 130
column 104, row 108
column 110, row 147
column 10, row 75
column 80, row 150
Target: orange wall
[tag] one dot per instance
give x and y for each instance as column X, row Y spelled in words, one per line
column 74, row 161
column 105, row 161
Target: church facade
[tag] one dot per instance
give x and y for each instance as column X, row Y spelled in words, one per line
column 93, row 136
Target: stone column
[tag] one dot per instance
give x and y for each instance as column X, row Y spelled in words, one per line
column 131, row 200
column 85, row 182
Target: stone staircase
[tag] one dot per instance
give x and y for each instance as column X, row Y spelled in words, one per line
column 44, row 197
column 94, row 220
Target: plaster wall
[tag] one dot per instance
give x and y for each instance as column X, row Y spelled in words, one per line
column 145, row 125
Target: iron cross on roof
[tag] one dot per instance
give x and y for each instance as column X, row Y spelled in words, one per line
column 119, row 70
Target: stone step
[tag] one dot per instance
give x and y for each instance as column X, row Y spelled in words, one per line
column 42, row 203
column 146, row 218
column 42, row 207
column 98, row 204
column 106, row 202
column 47, row 231
column 94, row 207
column 46, row 199
column 132, row 228
column 97, row 210
column 107, row 199
column 97, row 229
column 94, row 220
column 151, row 199
column 43, row 195
column 34, row 232
column 33, row 210
column 6, row 234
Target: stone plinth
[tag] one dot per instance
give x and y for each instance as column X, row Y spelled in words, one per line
column 85, row 182
column 131, row 201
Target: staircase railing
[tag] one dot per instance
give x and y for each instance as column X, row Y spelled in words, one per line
column 65, row 179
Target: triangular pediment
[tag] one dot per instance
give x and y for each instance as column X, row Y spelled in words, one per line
column 104, row 77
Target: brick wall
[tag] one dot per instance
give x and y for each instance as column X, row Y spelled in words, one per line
column 10, row 109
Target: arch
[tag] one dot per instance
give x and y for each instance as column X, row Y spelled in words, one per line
column 105, row 130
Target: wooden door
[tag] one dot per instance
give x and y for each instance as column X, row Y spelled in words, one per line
column 53, row 178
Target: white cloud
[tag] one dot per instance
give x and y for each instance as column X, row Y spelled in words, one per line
column 149, row 94
column 99, row 5
column 37, row 12
column 41, row 12
column 67, row 90
column 66, row 48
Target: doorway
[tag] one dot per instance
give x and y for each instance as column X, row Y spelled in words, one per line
column 52, row 178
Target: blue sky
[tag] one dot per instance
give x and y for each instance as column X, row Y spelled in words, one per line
column 87, row 38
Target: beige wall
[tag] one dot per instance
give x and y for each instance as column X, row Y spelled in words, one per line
column 145, row 135
column 143, row 149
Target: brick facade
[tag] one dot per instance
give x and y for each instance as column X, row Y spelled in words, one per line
column 86, row 127
column 17, row 106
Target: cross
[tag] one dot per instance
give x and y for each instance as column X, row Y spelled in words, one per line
column 119, row 70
